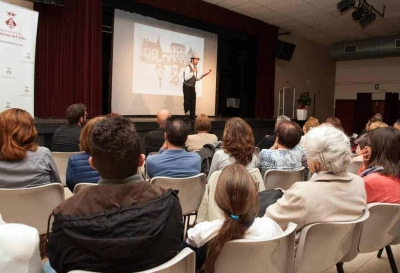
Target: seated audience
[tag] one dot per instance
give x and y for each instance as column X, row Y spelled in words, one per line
column 332, row 194
column 396, row 124
column 310, row 123
column 19, row 248
column 154, row 140
column 172, row 160
column 381, row 166
column 22, row 163
column 237, row 147
column 202, row 127
column 237, row 197
column 361, row 141
column 122, row 225
column 66, row 137
column 285, row 154
column 79, row 169
column 336, row 122
column 268, row 141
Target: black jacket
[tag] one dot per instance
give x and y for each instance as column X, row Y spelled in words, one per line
column 116, row 228
column 66, row 138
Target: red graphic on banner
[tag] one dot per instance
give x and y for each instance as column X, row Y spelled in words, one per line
column 10, row 22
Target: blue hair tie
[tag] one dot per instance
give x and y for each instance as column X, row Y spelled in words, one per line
column 234, row 217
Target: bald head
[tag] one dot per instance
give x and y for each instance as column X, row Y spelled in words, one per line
column 162, row 116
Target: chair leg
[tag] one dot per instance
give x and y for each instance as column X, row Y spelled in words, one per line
column 379, row 253
column 339, row 267
column 391, row 259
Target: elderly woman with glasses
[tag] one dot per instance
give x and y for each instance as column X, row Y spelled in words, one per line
column 381, row 165
column 332, row 194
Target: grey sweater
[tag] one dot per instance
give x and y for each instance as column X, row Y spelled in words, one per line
column 36, row 169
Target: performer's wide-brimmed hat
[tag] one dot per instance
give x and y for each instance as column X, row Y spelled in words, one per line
column 195, row 56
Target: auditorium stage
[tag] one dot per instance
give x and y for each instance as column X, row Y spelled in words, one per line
column 261, row 127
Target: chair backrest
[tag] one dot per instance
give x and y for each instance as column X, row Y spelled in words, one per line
column 259, row 256
column 354, row 167
column 282, row 179
column 30, row 206
column 184, row 262
column 323, row 245
column 61, row 159
column 191, row 190
column 80, row 186
column 382, row 227
column 256, row 151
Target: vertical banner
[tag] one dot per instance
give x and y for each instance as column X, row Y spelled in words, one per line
column 18, row 27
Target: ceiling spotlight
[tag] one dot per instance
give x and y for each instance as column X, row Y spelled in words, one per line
column 359, row 13
column 369, row 18
column 345, row 5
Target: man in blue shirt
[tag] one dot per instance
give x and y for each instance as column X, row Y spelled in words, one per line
column 172, row 160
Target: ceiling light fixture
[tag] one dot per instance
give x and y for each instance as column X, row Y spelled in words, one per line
column 368, row 19
column 345, row 5
column 364, row 12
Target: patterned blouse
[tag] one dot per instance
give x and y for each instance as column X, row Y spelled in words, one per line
column 288, row 160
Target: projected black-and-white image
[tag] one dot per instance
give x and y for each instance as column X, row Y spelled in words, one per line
column 159, row 59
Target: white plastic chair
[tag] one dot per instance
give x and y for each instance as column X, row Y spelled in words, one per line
column 257, row 151
column 381, row 230
column 80, row 186
column 282, row 179
column 323, row 245
column 31, row 206
column 61, row 159
column 354, row 167
column 184, row 262
column 191, row 191
column 259, row 256
column 209, row 209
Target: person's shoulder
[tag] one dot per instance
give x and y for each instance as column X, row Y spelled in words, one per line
column 79, row 157
column 40, row 152
column 376, row 178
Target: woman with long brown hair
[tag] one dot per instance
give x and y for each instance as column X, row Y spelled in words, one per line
column 237, row 197
column 237, row 146
column 22, row 163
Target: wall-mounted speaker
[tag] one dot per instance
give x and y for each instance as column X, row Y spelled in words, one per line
column 284, row 50
column 60, row 3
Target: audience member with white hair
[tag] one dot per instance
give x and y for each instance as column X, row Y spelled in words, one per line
column 332, row 194
column 269, row 141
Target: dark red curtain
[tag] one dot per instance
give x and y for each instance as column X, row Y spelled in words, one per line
column 266, row 34
column 68, row 58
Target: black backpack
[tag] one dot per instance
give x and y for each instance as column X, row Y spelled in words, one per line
column 206, row 154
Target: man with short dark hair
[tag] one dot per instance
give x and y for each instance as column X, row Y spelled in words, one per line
column 66, row 137
column 122, row 225
column 153, row 140
column 173, row 160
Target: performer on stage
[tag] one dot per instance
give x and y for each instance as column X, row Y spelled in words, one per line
column 190, row 76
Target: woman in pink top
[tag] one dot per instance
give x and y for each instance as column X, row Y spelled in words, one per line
column 381, row 170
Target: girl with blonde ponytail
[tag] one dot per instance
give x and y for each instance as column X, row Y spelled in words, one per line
column 237, row 197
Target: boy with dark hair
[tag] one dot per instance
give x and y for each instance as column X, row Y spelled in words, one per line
column 122, row 225
column 66, row 137
column 172, row 160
